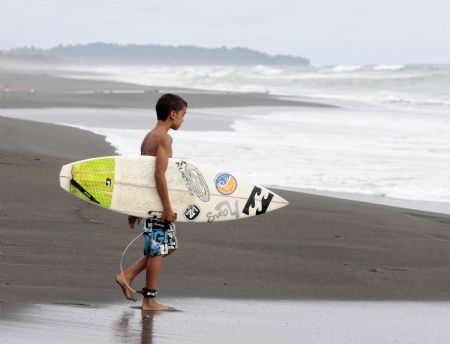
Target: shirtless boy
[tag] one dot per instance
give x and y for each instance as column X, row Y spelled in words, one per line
column 160, row 235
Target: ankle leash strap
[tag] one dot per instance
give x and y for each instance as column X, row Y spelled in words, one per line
column 148, row 292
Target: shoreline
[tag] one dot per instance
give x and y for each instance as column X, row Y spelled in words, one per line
column 223, row 123
column 43, row 89
column 56, row 248
column 106, row 114
column 426, row 206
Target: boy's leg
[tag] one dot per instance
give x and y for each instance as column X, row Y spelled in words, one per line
column 128, row 276
column 135, row 269
column 154, row 265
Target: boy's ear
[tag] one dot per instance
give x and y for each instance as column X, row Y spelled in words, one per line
column 172, row 114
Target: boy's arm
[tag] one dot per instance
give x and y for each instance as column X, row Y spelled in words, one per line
column 162, row 160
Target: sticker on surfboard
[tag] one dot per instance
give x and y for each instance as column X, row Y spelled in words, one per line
column 225, row 183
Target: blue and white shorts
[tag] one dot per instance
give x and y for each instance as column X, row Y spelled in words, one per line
column 159, row 237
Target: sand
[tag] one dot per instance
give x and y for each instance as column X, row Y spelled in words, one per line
column 35, row 89
column 56, row 249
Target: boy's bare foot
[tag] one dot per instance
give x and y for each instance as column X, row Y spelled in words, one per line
column 149, row 304
column 127, row 292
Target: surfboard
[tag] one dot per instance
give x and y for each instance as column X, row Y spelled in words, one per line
column 198, row 193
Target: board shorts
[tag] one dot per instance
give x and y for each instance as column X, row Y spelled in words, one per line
column 159, row 237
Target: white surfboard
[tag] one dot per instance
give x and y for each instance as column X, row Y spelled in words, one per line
column 197, row 193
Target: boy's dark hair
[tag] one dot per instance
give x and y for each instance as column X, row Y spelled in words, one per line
column 167, row 103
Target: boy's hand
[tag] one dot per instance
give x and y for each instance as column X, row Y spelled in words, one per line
column 169, row 216
column 132, row 221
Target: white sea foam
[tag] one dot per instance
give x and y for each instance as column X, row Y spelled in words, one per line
column 413, row 102
column 385, row 154
column 392, row 142
column 389, row 67
column 375, row 152
column 379, row 84
column 345, row 68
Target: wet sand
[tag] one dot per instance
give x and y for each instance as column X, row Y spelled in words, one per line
column 41, row 89
column 199, row 119
column 233, row 321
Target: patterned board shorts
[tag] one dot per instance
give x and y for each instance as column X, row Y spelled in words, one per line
column 159, row 237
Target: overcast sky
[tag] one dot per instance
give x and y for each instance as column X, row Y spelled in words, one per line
column 325, row 31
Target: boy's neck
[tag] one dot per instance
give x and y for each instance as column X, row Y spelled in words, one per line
column 163, row 125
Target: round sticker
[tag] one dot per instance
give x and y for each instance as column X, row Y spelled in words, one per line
column 226, row 184
column 191, row 212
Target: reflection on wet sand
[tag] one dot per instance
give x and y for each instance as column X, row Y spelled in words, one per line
column 147, row 326
column 126, row 331
column 123, row 326
column 225, row 321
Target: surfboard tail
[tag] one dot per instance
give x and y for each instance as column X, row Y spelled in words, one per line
column 65, row 175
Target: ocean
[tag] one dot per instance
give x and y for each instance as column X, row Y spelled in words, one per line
column 389, row 135
column 402, row 85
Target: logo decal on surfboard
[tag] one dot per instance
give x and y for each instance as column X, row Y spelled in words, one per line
column 195, row 182
column 191, row 212
column 265, row 201
column 226, row 184
column 223, row 209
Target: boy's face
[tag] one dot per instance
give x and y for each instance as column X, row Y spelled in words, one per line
column 178, row 118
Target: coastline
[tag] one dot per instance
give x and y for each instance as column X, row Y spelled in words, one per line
column 328, row 258
column 199, row 120
column 43, row 89
column 56, row 248
column 427, row 206
column 54, row 94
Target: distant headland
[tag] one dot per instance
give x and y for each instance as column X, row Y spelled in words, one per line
column 153, row 54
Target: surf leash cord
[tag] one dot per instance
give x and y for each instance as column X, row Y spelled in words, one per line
column 121, row 264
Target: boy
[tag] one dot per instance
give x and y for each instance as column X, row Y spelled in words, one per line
column 159, row 235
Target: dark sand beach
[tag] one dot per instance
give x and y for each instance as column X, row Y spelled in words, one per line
column 56, row 249
column 40, row 89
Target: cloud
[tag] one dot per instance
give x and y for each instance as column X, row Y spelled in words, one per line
column 326, row 31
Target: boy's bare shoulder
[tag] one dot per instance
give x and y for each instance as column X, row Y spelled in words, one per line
column 161, row 138
column 155, row 139
column 166, row 138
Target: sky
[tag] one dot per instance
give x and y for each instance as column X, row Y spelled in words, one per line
column 324, row 31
